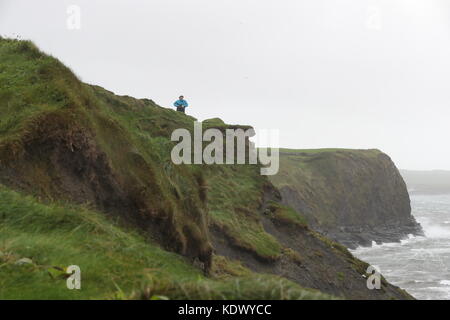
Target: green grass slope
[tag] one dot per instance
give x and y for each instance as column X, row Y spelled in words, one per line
column 80, row 149
column 87, row 179
column 115, row 263
column 62, row 139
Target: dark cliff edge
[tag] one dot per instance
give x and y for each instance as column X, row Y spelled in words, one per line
column 352, row 196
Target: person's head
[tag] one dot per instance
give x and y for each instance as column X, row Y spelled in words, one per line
column 181, row 97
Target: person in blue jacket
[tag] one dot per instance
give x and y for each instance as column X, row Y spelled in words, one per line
column 180, row 104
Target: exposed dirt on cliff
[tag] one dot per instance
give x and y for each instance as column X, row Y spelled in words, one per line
column 62, row 160
column 308, row 259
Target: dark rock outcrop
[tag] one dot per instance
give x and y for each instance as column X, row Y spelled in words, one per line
column 352, row 196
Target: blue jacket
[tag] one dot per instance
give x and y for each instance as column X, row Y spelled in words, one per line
column 180, row 103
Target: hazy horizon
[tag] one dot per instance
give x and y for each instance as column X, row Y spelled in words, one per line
column 355, row 74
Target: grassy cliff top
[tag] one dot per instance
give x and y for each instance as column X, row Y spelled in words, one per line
column 368, row 152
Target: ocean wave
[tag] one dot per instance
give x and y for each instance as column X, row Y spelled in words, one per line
column 428, row 293
column 436, row 231
column 409, row 239
column 418, row 264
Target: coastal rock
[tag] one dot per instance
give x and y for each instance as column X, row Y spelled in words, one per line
column 355, row 197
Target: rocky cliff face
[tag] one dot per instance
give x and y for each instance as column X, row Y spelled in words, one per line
column 352, row 196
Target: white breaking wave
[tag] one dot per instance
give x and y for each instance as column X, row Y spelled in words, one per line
column 418, row 264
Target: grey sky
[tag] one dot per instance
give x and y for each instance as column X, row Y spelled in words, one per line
column 327, row 73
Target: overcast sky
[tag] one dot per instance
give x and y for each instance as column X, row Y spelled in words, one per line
column 326, row 73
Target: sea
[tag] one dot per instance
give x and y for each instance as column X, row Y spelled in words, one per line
column 418, row 264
